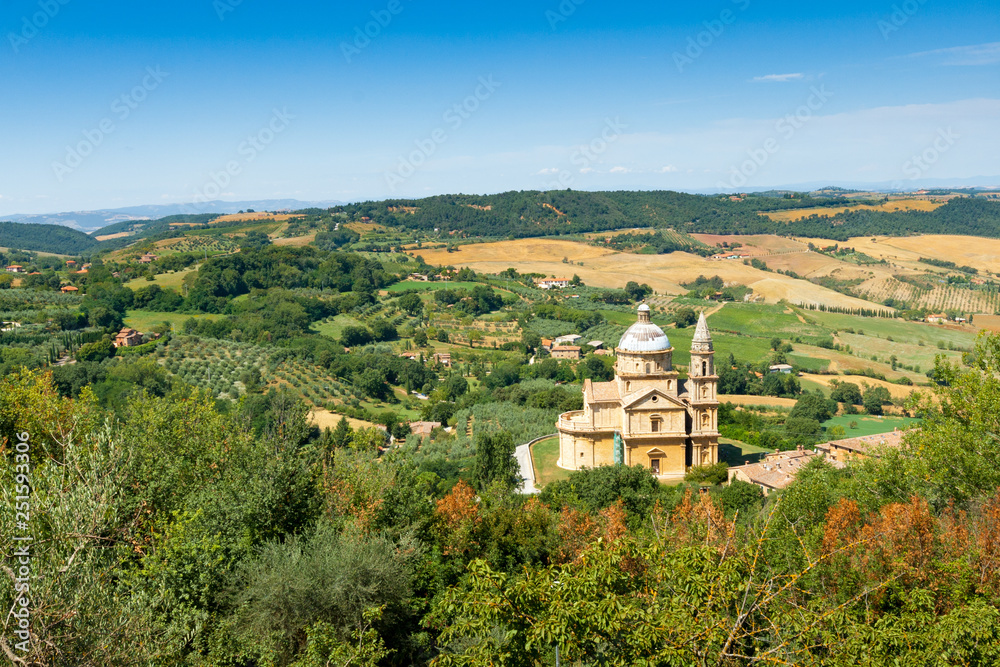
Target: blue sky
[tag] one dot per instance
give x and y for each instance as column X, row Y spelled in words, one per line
column 110, row 104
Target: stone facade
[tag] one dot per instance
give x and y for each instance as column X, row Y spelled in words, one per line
column 646, row 415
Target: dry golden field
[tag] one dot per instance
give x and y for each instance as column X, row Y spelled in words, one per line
column 247, row 217
column 606, row 268
column 119, row 235
column 980, row 253
column 988, row 323
column 766, row 401
column 325, row 419
column 895, row 390
column 942, row 297
column 759, row 244
column 830, row 211
column 295, row 241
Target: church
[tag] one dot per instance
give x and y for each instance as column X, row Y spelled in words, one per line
column 647, row 416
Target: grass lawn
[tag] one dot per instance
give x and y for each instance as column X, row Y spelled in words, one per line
column 334, row 328
column 868, row 425
column 544, row 455
column 144, row 320
column 736, row 453
column 422, row 286
column 174, row 280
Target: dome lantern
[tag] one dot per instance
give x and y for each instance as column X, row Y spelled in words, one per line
column 644, row 336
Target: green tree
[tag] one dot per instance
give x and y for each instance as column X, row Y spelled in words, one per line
column 411, row 303
column 875, row 398
column 814, row 407
column 685, row 317
column 846, row 392
column 495, row 462
column 96, row 351
column 353, row 336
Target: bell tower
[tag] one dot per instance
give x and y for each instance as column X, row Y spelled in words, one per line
column 703, row 385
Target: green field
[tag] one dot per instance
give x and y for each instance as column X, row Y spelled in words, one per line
column 422, row 286
column 173, row 280
column 736, row 453
column 144, row 320
column 333, row 327
column 764, row 321
column 868, row 425
column 907, row 353
column 899, row 330
column 544, row 455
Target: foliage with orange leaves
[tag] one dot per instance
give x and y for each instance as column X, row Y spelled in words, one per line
column 458, row 513
column 701, row 522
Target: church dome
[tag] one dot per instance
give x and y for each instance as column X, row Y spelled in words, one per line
column 644, row 336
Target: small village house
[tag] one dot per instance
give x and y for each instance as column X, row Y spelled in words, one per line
column 571, row 352
column 128, row 338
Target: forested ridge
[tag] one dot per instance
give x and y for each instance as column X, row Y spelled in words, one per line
column 528, row 214
column 569, row 212
column 45, row 238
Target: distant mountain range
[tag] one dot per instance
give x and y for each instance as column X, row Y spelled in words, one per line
column 91, row 221
column 989, row 183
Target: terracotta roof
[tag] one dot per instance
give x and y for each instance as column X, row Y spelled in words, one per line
column 776, row 471
column 566, row 348
column 423, row 428
column 864, row 444
column 605, row 391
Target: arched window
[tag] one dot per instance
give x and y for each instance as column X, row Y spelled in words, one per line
column 628, row 386
column 647, row 369
column 704, row 369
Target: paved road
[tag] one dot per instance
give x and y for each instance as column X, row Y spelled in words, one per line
column 523, row 456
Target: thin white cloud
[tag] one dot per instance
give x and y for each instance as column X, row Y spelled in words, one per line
column 550, row 170
column 620, row 170
column 972, row 55
column 778, row 78
column 668, row 169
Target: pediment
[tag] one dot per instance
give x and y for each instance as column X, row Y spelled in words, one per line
column 651, row 399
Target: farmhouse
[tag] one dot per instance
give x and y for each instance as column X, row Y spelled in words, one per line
column 567, row 340
column 147, row 258
column 937, row 318
column 776, row 471
column 442, row 358
column 860, row 448
column 15, row 268
column 566, row 352
column 423, row 428
column 128, row 338
column 781, row 368
column 552, row 283
column 69, row 288
column 646, row 415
